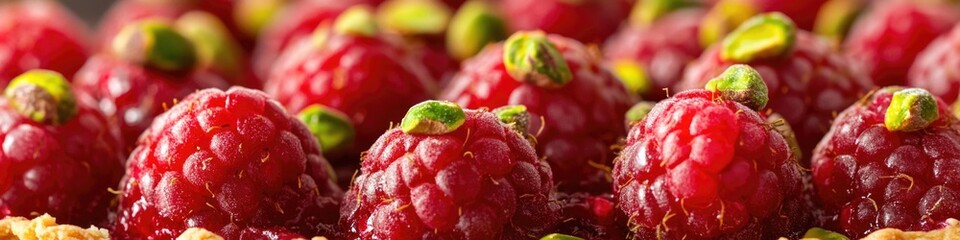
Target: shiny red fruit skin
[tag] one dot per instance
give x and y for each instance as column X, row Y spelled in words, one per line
column 133, row 95
column 40, row 34
column 888, row 38
column 575, row 125
column 64, row 170
column 586, row 21
column 481, row 181
column 663, row 48
column 705, row 168
column 868, row 178
column 128, row 11
column 231, row 162
column 808, row 87
column 804, row 13
column 935, row 69
column 370, row 79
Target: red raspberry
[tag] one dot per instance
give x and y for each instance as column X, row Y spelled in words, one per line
column 577, row 106
column 592, row 217
column 354, row 70
column 935, row 69
column 135, row 82
column 447, row 173
column 888, row 38
column 650, row 57
column 299, row 21
column 230, row 162
column 809, row 81
column 703, row 166
column 60, row 154
column 124, row 12
column 40, row 34
column 586, row 21
column 890, row 161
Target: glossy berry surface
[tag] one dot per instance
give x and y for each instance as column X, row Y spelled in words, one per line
column 868, row 178
column 702, row 167
column 586, row 21
column 480, row 181
column 887, row 39
column 40, row 34
column 369, row 78
column 935, row 67
column 807, row 86
column 230, row 162
column 133, row 95
column 574, row 125
column 663, row 48
column 64, row 170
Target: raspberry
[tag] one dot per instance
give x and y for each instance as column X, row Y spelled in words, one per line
column 887, row 162
column 356, row 71
column 591, row 216
column 447, row 173
column 300, row 20
column 887, row 39
column 40, row 34
column 123, row 13
column 230, row 162
column 60, row 154
column 577, row 107
column 702, row 166
column 134, row 82
column 934, row 68
column 809, row 82
column 650, row 57
column 585, row 21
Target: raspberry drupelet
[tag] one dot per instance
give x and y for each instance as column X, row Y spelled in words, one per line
column 40, row 35
column 449, row 173
column 60, row 153
column 704, row 164
column 577, row 106
column 148, row 68
column 935, row 69
column 356, row 70
column 234, row 163
column 887, row 38
column 890, row 161
column 809, row 82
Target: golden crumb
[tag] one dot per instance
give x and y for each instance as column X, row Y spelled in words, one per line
column 45, row 227
column 951, row 232
column 198, row 234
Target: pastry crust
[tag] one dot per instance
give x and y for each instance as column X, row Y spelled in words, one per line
column 950, row 232
column 198, row 234
column 45, row 227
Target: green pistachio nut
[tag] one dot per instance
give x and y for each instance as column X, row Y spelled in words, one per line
column 332, row 128
column 725, row 16
column 214, row 45
column 836, row 17
column 767, row 35
column 155, row 44
column 433, row 118
column 472, row 28
column 531, row 57
column 43, row 96
column 358, row 21
column 557, row 236
column 911, row 109
column 253, row 16
column 515, row 116
column 414, row 17
column 741, row 83
column 783, row 127
column 633, row 76
column 823, row 234
column 645, row 12
column 639, row 111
